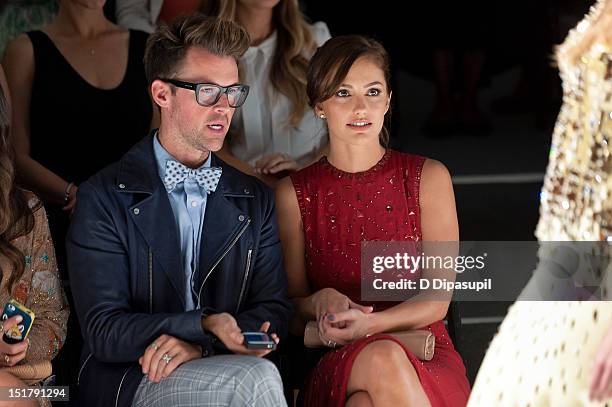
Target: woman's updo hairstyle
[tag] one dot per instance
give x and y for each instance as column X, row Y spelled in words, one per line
column 333, row 60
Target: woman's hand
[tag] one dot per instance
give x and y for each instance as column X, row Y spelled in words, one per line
column 275, row 163
column 165, row 354
column 11, row 354
column 330, row 301
column 601, row 381
column 345, row 327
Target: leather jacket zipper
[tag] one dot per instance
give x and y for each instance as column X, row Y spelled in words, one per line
column 150, row 281
column 246, row 277
column 121, row 384
column 240, row 233
column 83, row 367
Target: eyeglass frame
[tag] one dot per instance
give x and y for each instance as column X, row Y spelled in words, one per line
column 195, row 87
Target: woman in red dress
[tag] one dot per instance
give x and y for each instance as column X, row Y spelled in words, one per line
column 363, row 191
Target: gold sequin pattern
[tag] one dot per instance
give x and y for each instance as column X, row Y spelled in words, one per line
column 39, row 288
column 576, row 200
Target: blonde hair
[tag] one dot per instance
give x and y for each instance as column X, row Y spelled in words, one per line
column 598, row 27
column 289, row 65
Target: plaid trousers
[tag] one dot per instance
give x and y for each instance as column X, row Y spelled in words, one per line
column 225, row 380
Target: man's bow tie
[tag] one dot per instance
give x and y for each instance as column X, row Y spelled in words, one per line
column 207, row 177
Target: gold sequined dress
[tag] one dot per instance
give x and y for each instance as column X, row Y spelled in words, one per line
column 39, row 289
column 544, row 352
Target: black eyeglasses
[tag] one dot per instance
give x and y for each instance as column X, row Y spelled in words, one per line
column 207, row 94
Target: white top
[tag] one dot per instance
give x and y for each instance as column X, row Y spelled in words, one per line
column 138, row 14
column 261, row 126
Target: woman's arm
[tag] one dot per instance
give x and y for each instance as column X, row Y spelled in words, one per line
column 19, row 65
column 601, row 380
column 226, row 155
column 309, row 306
column 46, row 297
column 438, row 223
column 292, row 240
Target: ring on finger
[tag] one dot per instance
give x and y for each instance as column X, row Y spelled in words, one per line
column 7, row 359
column 155, row 346
column 166, row 358
column 1, row 327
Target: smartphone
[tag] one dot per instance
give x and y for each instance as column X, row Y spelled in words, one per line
column 258, row 340
column 20, row 331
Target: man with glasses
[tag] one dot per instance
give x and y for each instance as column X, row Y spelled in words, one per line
column 172, row 253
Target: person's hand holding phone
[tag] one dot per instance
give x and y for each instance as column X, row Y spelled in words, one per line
column 225, row 327
column 11, row 354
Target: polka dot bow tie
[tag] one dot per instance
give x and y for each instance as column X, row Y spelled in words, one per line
column 207, row 177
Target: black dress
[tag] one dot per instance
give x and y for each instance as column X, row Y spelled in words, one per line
column 77, row 129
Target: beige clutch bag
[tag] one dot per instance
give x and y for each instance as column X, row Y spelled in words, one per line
column 419, row 341
column 31, row 373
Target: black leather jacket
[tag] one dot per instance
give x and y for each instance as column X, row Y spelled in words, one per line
column 127, row 278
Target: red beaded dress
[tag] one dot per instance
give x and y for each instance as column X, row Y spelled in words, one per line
column 339, row 210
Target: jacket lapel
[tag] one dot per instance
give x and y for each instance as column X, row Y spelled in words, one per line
column 155, row 221
column 153, row 215
column 221, row 223
column 223, row 219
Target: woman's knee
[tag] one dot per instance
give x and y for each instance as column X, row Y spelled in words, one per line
column 359, row 399
column 385, row 355
column 8, row 380
column 382, row 364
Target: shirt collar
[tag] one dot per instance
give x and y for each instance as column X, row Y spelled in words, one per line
column 267, row 47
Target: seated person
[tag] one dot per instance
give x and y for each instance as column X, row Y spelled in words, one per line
column 29, row 269
column 363, row 191
column 275, row 132
column 172, row 253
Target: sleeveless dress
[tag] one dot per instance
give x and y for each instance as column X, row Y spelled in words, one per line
column 77, row 129
column 339, row 210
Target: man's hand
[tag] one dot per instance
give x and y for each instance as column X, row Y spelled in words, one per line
column 225, row 327
column 165, row 354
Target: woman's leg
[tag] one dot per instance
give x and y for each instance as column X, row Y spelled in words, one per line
column 359, row 399
column 8, row 380
column 384, row 372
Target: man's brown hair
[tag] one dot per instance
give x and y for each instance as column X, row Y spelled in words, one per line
column 167, row 46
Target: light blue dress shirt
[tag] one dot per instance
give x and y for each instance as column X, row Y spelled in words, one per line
column 188, row 202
